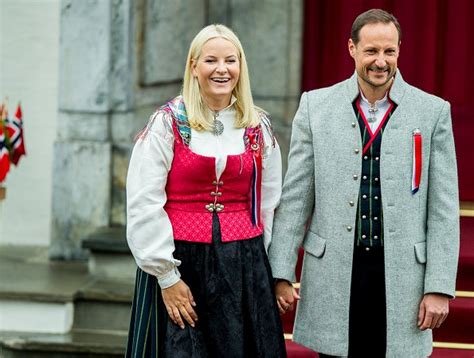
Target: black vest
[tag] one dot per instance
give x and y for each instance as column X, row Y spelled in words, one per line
column 369, row 220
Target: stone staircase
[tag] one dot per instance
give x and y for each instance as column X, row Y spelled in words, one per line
column 96, row 323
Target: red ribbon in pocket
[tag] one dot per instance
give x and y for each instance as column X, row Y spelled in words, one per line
column 417, row 161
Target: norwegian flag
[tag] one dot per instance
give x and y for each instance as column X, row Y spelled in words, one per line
column 4, row 158
column 15, row 135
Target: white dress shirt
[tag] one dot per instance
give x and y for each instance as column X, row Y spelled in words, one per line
column 149, row 231
column 382, row 106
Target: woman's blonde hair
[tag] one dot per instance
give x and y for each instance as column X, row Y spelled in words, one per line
column 198, row 113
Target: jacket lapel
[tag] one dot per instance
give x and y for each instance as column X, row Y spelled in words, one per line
column 397, row 91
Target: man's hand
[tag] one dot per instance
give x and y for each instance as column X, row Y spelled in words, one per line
column 286, row 296
column 180, row 302
column 434, row 309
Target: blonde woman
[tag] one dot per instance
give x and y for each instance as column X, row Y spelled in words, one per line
column 203, row 182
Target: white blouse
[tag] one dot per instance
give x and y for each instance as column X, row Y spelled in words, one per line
column 149, row 231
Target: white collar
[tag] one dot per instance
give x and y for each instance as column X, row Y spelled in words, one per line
column 377, row 103
column 233, row 99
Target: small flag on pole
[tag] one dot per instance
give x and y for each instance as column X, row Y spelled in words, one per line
column 4, row 157
column 15, row 135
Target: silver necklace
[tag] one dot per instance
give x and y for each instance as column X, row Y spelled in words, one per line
column 218, row 126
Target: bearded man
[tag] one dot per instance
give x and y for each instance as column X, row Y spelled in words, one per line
column 372, row 164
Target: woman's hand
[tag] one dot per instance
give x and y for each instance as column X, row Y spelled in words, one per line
column 179, row 303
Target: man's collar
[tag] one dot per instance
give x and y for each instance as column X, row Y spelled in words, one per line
column 378, row 102
column 396, row 91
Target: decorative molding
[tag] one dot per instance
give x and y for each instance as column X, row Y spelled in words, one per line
column 469, row 294
column 451, row 345
column 466, row 208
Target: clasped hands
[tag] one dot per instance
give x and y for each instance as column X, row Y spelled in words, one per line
column 286, row 296
column 179, row 303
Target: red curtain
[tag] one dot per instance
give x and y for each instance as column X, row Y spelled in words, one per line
column 437, row 55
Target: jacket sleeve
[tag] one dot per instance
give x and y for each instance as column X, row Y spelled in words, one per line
column 149, row 232
column 297, row 201
column 442, row 235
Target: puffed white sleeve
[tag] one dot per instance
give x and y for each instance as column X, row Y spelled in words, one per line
column 271, row 179
column 149, row 231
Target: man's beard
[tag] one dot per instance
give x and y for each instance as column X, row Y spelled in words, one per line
column 390, row 73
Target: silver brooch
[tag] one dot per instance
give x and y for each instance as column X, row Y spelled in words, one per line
column 218, row 127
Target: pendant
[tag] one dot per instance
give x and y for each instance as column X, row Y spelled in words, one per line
column 218, row 127
column 372, row 111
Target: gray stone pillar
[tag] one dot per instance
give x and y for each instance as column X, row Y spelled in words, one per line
column 94, row 85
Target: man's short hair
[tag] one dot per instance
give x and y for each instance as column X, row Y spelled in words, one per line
column 373, row 16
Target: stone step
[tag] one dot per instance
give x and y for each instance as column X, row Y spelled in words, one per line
column 76, row 344
column 38, row 295
column 97, row 315
column 110, row 256
column 104, row 305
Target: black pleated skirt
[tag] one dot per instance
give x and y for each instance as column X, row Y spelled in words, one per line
column 232, row 286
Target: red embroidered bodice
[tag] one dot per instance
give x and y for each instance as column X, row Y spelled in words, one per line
column 194, row 194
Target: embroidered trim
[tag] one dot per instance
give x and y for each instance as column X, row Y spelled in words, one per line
column 265, row 119
column 177, row 110
column 373, row 135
